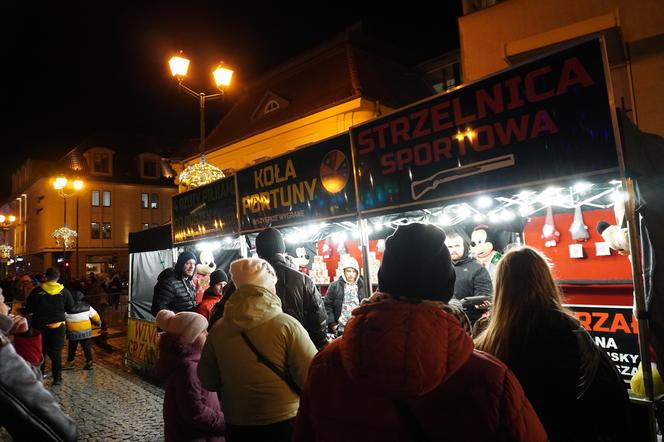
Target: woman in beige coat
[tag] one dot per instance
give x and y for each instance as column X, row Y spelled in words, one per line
column 258, row 402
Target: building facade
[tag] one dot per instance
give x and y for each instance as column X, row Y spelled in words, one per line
column 494, row 35
column 121, row 193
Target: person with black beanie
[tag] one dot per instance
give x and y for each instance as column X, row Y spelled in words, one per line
column 405, row 369
column 174, row 289
column 213, row 294
column 299, row 296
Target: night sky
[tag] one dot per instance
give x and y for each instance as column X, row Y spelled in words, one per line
column 73, row 70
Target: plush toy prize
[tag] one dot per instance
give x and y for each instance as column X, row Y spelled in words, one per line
column 481, row 247
column 202, row 277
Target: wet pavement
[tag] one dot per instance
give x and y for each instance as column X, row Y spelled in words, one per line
column 110, row 402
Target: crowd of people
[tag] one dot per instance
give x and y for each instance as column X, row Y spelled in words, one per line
column 402, row 363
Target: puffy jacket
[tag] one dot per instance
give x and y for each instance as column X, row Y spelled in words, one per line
column 418, row 356
column 471, row 280
column 191, row 413
column 48, row 304
column 574, row 387
column 80, row 318
column 334, row 298
column 210, row 299
column 301, row 299
column 27, row 410
column 173, row 292
column 252, row 393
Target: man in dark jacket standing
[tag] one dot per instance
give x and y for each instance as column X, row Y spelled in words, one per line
column 298, row 293
column 343, row 296
column 471, row 278
column 48, row 304
column 174, row 289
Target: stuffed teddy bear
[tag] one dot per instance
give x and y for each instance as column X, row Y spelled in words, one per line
column 202, row 277
column 481, row 247
column 615, row 236
column 302, row 260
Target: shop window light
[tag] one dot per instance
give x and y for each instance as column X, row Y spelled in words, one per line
column 445, row 219
column 479, row 217
column 484, row 202
column 582, row 187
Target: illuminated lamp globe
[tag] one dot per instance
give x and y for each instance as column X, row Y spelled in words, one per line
column 200, row 174
column 64, row 236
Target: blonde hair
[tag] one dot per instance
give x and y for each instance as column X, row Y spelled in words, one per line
column 524, row 286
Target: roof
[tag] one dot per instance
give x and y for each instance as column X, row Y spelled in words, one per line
column 342, row 69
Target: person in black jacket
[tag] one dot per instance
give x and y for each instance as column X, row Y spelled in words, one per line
column 343, row 296
column 27, row 410
column 48, row 304
column 298, row 293
column 471, row 278
column 174, row 289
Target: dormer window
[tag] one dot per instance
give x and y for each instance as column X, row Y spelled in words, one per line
column 101, row 163
column 100, row 160
column 150, row 166
column 270, row 106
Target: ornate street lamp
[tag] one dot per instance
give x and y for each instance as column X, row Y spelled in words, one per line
column 64, row 236
column 202, row 172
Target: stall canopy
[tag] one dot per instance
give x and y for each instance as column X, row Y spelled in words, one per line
column 151, row 251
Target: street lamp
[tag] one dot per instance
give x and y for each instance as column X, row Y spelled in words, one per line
column 202, row 172
column 6, row 222
column 64, row 235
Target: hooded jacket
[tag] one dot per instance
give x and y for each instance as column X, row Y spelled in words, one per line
column 191, row 413
column 252, row 393
column 173, row 291
column 48, row 304
column 395, row 352
column 334, row 298
column 80, row 317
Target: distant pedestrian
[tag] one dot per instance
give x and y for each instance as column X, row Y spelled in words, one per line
column 191, row 413
column 79, row 322
column 48, row 304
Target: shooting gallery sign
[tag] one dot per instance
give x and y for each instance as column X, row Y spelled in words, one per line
column 315, row 182
column 549, row 118
column 206, row 211
column 615, row 330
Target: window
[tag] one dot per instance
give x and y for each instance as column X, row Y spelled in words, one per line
column 270, row 106
column 150, row 168
column 94, row 230
column 106, row 199
column 154, row 201
column 144, row 200
column 95, row 198
column 101, row 163
column 106, row 230
column 145, row 226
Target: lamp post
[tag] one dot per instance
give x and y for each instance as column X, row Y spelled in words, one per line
column 64, row 235
column 202, row 172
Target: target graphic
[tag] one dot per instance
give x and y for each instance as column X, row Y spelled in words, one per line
column 334, row 171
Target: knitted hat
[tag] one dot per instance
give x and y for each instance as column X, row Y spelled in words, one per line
column 270, row 242
column 218, row 276
column 182, row 259
column 253, row 271
column 350, row 263
column 187, row 326
column 417, row 264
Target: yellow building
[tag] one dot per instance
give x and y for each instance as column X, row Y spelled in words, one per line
column 122, row 192
column 319, row 94
column 494, row 37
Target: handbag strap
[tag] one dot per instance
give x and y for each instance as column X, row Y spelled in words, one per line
column 413, row 427
column 262, row 359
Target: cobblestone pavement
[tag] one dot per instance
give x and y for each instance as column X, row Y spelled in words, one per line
column 110, row 403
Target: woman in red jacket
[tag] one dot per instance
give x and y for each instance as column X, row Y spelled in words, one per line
column 405, row 369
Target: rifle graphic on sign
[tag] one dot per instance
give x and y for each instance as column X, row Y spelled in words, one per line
column 421, row 187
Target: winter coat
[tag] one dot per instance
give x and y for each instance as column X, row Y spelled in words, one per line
column 300, row 299
column 471, row 280
column 48, row 304
column 191, row 413
column 334, row 298
column 251, row 392
column 173, row 292
column 572, row 384
column 80, row 318
column 27, row 410
column 210, row 298
column 414, row 355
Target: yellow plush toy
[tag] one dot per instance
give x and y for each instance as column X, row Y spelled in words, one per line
column 636, row 383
